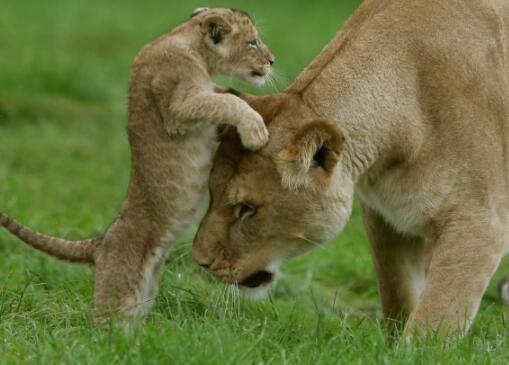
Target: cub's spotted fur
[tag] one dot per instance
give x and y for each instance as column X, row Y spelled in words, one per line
column 173, row 114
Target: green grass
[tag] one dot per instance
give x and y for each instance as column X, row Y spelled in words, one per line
column 64, row 168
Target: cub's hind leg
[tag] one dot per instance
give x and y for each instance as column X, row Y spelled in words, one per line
column 128, row 270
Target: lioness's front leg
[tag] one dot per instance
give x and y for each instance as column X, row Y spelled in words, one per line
column 399, row 264
column 464, row 256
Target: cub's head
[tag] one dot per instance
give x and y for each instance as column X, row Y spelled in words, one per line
column 273, row 204
column 234, row 45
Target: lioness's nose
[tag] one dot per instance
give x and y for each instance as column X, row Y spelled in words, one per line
column 201, row 259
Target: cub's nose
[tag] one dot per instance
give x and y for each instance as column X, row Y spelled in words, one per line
column 271, row 60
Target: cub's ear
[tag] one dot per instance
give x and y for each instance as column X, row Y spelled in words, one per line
column 310, row 159
column 215, row 27
column 198, row 11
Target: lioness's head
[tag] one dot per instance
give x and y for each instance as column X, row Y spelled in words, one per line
column 269, row 205
column 234, row 43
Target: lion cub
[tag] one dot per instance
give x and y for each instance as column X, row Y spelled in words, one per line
column 173, row 114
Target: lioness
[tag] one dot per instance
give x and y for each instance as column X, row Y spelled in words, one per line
column 409, row 104
column 173, row 115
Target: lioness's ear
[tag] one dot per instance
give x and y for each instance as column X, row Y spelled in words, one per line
column 215, row 27
column 309, row 160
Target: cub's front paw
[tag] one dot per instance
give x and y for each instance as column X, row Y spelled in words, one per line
column 254, row 135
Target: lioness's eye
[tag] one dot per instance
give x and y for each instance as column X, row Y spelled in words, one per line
column 244, row 210
column 253, row 43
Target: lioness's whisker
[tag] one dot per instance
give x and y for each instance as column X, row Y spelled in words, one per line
column 317, row 244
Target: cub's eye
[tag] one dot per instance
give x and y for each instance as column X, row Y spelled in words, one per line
column 254, row 43
column 244, row 210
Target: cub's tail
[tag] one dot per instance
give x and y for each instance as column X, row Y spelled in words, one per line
column 73, row 251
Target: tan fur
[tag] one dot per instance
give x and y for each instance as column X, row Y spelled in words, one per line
column 173, row 112
column 419, row 92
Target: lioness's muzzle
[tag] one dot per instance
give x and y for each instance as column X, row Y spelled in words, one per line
column 257, row 279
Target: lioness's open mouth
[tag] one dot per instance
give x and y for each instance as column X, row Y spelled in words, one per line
column 257, row 279
column 257, row 74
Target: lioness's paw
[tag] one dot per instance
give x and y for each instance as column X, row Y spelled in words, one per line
column 254, row 135
column 503, row 291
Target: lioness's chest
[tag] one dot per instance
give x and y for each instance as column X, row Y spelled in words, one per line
column 396, row 210
column 407, row 203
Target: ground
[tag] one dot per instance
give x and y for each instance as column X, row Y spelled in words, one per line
column 64, row 168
